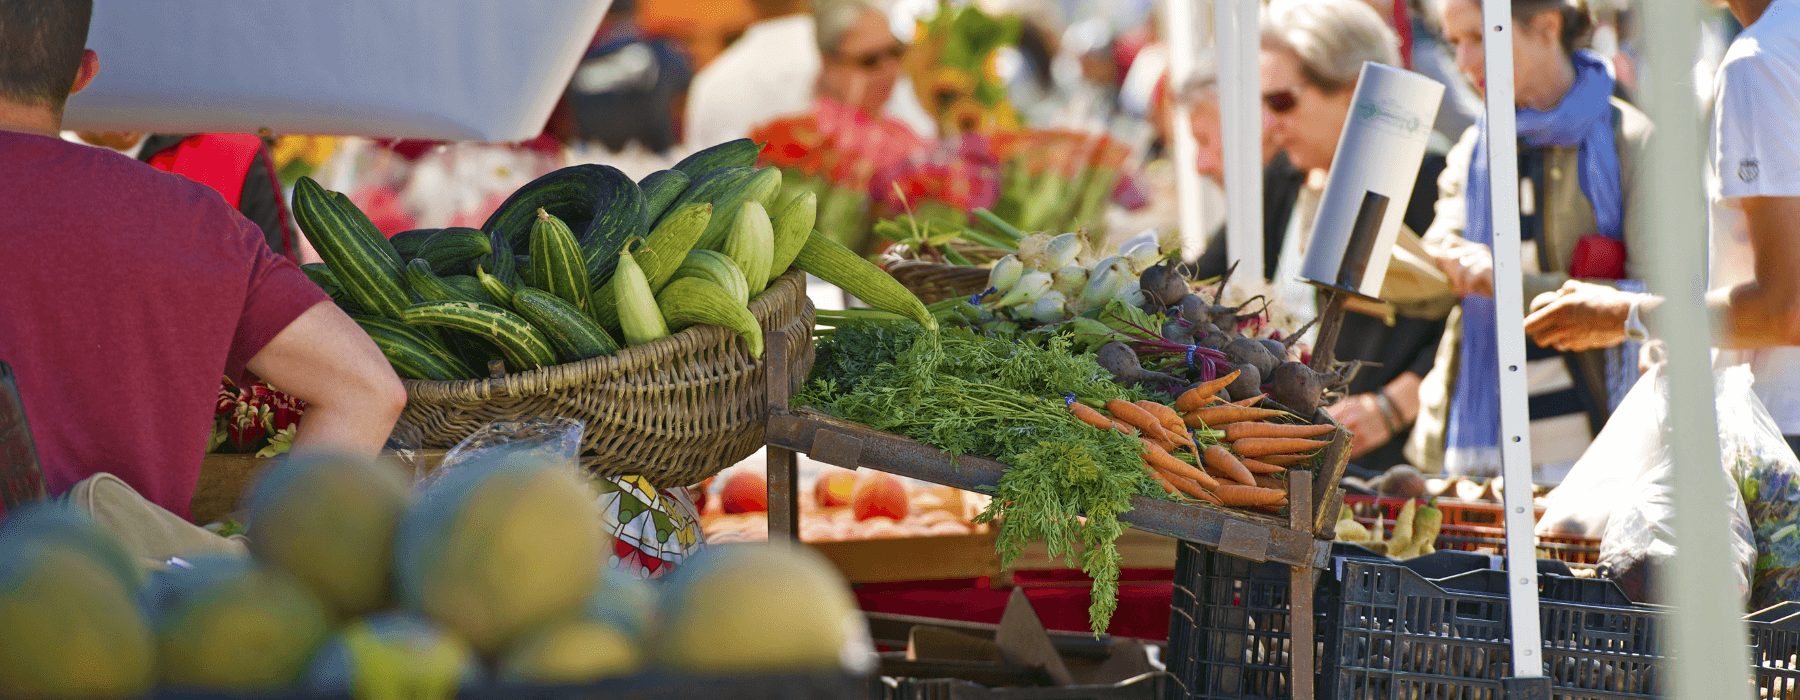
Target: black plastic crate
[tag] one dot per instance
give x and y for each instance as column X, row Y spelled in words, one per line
column 1775, row 650
column 1228, row 618
column 1402, row 636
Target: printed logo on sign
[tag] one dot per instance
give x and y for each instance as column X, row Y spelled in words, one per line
column 1748, row 170
column 1389, row 117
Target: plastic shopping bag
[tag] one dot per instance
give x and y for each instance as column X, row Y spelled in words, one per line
column 1639, row 537
column 1767, row 475
column 1602, row 481
column 554, row 440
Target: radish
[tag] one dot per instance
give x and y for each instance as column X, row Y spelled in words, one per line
column 1119, row 359
column 1248, row 383
column 1249, row 351
column 1163, row 285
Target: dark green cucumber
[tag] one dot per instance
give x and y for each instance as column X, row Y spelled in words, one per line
column 356, row 255
column 455, row 250
column 498, row 290
column 709, row 188
column 321, row 275
column 575, row 193
column 356, row 214
column 428, row 286
column 470, row 287
column 524, row 346
column 571, row 332
column 502, row 264
column 731, row 153
column 407, row 243
column 413, row 354
column 556, row 263
column 522, row 263
column 761, row 188
column 661, row 188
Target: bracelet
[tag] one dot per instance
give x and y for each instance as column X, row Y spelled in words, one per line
column 1389, row 415
column 1634, row 325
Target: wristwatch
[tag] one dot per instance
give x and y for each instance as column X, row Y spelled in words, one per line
column 1634, row 326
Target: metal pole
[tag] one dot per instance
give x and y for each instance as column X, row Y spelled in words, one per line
column 1183, row 21
column 1509, row 316
column 1706, row 637
column 1238, row 33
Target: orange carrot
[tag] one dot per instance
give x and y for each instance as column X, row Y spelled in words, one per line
column 1161, row 459
column 1200, row 394
column 1207, row 496
column 1260, row 467
column 1164, row 444
column 1260, row 447
column 1283, row 460
column 1160, row 480
column 1170, row 422
column 1186, row 486
column 1222, row 415
column 1240, row 495
column 1122, row 427
column 1249, row 429
column 1218, row 458
column 1090, row 416
column 1131, row 414
column 1269, row 482
column 1252, row 401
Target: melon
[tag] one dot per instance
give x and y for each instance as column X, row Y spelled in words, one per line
column 571, row 652
column 406, row 651
column 44, row 522
column 225, row 623
column 760, row 608
column 329, row 521
column 879, row 495
column 624, row 601
column 68, row 627
column 498, row 547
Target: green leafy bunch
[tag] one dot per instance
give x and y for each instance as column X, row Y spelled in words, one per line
column 964, row 393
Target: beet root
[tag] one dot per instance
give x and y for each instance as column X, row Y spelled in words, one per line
column 1119, row 359
column 1249, row 351
column 1176, row 331
column 1248, row 383
column 1298, row 387
column 1163, row 285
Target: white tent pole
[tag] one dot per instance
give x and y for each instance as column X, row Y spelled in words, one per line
column 1182, row 20
column 1706, row 636
column 1509, row 316
column 1238, row 33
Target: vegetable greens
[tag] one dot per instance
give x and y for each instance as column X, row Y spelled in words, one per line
column 971, row 394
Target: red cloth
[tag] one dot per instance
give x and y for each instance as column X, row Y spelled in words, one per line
column 125, row 293
column 219, row 161
column 1060, row 598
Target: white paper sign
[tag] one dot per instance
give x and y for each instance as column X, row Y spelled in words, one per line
column 469, row 71
column 1377, row 161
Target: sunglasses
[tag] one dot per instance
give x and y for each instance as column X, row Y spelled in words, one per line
column 871, row 60
column 1281, row 102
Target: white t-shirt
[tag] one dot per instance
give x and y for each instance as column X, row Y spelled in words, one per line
column 769, row 73
column 1755, row 152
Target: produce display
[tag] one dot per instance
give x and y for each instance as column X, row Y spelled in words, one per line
column 1064, row 400
column 581, row 263
column 845, row 506
column 489, row 575
column 1415, row 531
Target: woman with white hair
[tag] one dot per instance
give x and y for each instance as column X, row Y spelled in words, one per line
column 1312, row 55
column 860, row 55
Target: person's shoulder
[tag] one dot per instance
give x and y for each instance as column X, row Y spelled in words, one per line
column 1770, row 45
column 122, row 177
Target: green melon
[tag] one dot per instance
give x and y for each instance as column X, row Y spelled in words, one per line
column 329, row 521
column 228, row 624
column 500, row 547
column 624, row 601
column 41, row 522
column 392, row 651
column 571, row 652
column 760, row 608
column 68, row 627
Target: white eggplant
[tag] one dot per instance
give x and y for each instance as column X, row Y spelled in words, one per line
column 1005, row 274
column 1069, row 280
column 1030, row 286
column 1049, row 307
column 1143, row 255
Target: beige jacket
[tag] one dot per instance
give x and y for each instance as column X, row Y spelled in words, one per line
column 1567, row 217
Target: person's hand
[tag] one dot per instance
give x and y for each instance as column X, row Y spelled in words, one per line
column 1470, row 267
column 1582, row 317
column 1650, row 355
column 1362, row 417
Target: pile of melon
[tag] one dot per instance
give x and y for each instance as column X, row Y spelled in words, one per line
column 493, row 574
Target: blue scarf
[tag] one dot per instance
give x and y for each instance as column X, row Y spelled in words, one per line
column 1584, row 119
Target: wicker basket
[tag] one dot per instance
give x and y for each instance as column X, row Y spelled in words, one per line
column 676, row 411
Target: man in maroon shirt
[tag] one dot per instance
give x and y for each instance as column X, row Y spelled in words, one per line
column 125, row 293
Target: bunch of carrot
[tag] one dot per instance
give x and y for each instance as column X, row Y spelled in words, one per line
column 1226, row 471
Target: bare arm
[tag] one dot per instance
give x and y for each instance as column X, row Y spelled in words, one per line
column 1764, row 312
column 352, row 396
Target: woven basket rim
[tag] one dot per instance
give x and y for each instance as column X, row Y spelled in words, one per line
column 656, row 353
